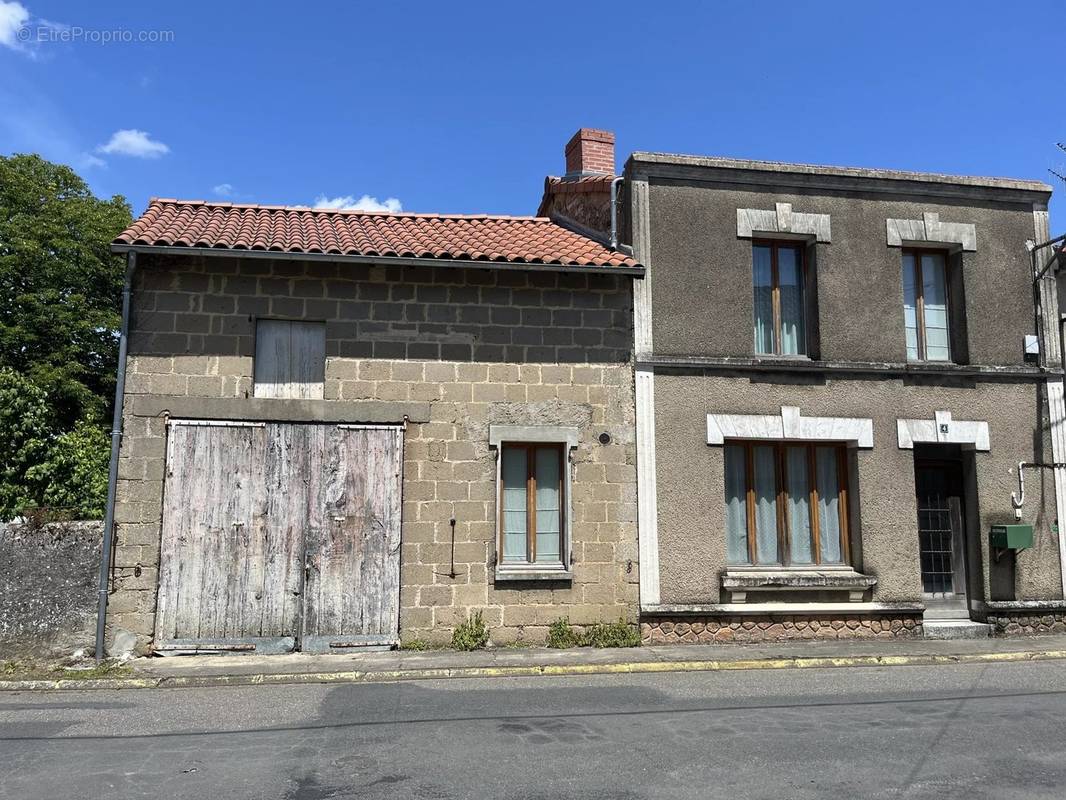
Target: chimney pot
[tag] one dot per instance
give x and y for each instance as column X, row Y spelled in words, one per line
column 590, row 152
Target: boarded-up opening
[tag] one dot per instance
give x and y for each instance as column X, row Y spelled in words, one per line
column 290, row 359
column 280, row 536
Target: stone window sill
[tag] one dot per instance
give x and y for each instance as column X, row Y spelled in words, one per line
column 739, row 582
column 532, row 573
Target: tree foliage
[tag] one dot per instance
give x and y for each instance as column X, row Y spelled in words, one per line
column 60, row 285
column 25, row 440
column 42, row 467
column 73, row 477
column 60, row 289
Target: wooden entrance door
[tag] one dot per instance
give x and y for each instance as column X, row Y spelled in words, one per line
column 352, row 544
column 277, row 533
column 941, row 537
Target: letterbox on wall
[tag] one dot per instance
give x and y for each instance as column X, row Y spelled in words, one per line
column 1012, row 537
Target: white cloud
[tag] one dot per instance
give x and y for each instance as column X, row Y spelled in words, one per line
column 223, row 190
column 132, row 142
column 13, row 19
column 88, row 160
column 24, row 33
column 364, row 203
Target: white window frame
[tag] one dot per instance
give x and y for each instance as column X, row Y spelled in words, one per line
column 567, row 437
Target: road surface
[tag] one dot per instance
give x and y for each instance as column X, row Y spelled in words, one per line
column 982, row 731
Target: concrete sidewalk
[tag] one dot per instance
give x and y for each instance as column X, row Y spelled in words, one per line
column 198, row 671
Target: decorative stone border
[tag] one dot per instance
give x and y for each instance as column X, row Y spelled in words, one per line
column 942, row 429
column 790, row 425
column 776, row 628
column 930, row 229
column 753, row 221
column 1026, row 623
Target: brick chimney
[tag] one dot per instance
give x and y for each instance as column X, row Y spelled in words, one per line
column 590, row 152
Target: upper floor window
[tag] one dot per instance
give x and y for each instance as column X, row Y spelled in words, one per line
column 779, row 276
column 290, row 359
column 786, row 503
column 925, row 305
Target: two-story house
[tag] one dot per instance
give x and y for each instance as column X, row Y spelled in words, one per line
column 838, row 374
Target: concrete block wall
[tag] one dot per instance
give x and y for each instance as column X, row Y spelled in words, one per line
column 481, row 347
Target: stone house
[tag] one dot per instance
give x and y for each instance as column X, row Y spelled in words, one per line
column 343, row 429
column 838, row 373
column 816, row 392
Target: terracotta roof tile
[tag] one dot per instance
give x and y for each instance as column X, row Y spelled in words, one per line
column 286, row 229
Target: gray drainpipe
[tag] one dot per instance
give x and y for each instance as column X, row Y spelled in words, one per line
column 614, row 211
column 116, row 441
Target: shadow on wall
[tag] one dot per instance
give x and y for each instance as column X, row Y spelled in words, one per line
column 208, row 306
column 48, row 588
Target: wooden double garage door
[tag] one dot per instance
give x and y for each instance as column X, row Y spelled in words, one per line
column 279, row 537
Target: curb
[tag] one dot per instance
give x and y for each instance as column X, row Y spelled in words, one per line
column 545, row 670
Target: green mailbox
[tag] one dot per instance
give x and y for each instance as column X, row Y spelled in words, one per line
column 1012, row 537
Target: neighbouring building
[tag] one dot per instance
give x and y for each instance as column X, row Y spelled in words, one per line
column 838, row 373
column 342, row 429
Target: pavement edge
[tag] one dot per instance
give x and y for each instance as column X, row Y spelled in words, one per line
column 545, row 670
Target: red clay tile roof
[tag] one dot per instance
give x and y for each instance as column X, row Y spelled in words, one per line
column 585, row 184
column 284, row 229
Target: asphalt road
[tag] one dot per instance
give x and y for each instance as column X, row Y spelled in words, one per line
column 986, row 731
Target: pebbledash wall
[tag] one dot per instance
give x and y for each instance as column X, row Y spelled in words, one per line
column 457, row 348
column 857, row 369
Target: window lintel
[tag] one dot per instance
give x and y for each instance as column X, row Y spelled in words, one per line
column 547, row 434
column 790, row 425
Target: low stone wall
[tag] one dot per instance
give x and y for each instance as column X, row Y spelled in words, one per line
column 48, row 588
column 777, row 628
column 1027, row 623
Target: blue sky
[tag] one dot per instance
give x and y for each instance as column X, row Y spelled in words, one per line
column 464, row 107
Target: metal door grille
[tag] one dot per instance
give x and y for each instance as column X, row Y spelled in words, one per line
column 936, row 539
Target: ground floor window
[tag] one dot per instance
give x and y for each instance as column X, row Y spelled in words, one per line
column 531, row 503
column 786, row 503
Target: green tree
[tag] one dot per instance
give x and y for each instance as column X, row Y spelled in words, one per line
column 60, row 285
column 73, row 476
column 25, row 442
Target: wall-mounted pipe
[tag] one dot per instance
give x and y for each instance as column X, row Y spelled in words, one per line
column 614, row 211
column 116, row 441
column 1017, row 499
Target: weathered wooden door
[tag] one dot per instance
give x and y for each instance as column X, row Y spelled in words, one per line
column 278, row 536
column 352, row 551
column 229, row 573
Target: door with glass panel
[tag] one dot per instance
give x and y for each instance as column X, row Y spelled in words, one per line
column 786, row 504
column 779, row 275
column 941, row 536
column 926, row 313
column 531, row 505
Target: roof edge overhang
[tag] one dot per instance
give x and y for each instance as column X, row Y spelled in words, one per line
column 787, row 175
column 399, row 261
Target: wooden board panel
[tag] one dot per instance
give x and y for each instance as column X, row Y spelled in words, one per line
column 228, row 570
column 353, row 540
column 290, row 359
column 273, row 530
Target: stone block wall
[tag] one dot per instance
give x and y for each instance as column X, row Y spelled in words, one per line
column 504, row 348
